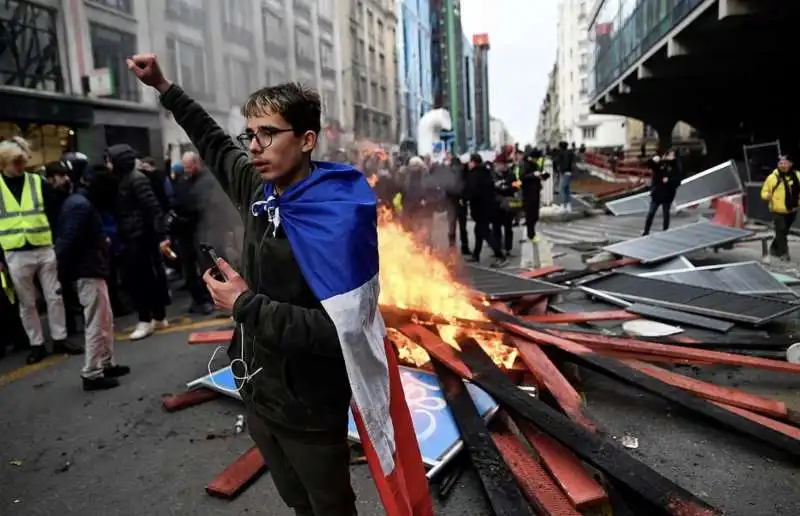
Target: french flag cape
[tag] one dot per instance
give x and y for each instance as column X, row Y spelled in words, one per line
column 330, row 220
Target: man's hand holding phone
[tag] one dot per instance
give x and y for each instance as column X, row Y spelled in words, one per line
column 226, row 288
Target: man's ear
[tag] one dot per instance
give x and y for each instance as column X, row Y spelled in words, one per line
column 309, row 141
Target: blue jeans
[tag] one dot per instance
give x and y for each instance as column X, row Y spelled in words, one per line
column 563, row 188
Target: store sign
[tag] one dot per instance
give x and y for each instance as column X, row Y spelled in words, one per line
column 101, row 83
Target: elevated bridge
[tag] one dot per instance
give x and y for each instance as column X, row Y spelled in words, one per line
column 727, row 67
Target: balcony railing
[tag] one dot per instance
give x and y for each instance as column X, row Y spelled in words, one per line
column 630, row 38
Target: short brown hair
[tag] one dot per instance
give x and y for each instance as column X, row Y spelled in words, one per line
column 300, row 106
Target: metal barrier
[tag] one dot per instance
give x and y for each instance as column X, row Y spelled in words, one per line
column 548, row 185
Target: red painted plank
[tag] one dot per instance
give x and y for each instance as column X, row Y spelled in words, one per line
column 709, row 391
column 541, row 272
column 778, row 426
column 238, row 476
column 188, row 399
column 581, row 317
column 211, row 337
column 579, row 485
column 533, row 480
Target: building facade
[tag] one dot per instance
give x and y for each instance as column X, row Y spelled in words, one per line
column 75, row 90
column 371, row 90
column 414, row 64
column 548, row 130
column 575, row 51
column 499, row 136
column 447, row 62
column 64, row 84
column 482, row 113
column 468, row 80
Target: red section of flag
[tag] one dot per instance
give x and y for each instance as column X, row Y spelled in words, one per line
column 403, row 491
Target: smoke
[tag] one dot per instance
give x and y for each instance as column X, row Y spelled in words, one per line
column 220, row 223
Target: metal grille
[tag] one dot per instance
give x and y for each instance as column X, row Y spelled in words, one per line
column 743, row 278
column 687, row 298
column 717, row 181
column 675, row 242
column 501, row 285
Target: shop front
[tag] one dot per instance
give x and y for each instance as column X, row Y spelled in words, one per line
column 55, row 124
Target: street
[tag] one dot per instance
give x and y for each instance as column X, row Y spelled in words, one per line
column 70, row 452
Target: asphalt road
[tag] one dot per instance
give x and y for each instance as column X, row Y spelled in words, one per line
column 68, row 452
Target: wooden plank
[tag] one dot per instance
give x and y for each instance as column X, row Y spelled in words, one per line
column 778, row 426
column 536, row 484
column 549, row 376
column 658, row 359
column 188, row 399
column 498, row 483
column 541, row 272
column 660, row 495
column 238, row 476
column 668, row 350
column 581, row 317
column 583, row 491
column 586, row 357
column 211, row 337
column 738, row 398
column 435, row 347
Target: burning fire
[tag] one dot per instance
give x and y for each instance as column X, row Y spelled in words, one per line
column 414, row 278
column 372, row 180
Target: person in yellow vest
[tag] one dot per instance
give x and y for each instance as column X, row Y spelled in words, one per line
column 781, row 190
column 27, row 242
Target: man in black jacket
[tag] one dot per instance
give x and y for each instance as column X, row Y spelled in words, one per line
column 297, row 391
column 140, row 220
column 666, row 179
column 82, row 253
column 483, row 205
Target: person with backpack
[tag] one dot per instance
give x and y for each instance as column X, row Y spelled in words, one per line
column 781, row 191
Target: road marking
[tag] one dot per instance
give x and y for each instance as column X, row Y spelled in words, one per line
column 22, row 372
column 186, row 326
column 181, row 324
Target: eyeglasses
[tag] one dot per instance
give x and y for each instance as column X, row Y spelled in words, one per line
column 262, row 136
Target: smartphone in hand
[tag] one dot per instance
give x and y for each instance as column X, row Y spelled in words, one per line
column 209, row 259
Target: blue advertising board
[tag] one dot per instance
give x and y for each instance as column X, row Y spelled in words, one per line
column 437, row 433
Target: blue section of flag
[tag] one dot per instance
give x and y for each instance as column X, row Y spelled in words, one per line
column 331, row 221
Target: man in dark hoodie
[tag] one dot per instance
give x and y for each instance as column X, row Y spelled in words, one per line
column 140, row 222
column 82, row 252
column 667, row 177
column 297, row 391
column 482, row 205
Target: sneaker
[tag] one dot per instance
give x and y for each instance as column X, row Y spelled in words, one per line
column 101, row 383
column 568, row 208
column 36, row 355
column 201, row 308
column 66, row 346
column 115, row 371
column 161, row 325
column 142, row 330
column 499, row 263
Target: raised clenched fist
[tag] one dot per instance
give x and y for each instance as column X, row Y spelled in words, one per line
column 147, row 70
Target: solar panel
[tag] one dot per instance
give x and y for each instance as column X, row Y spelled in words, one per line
column 688, row 298
column 679, row 263
column 497, row 285
column 744, row 278
column 675, row 242
column 717, row 181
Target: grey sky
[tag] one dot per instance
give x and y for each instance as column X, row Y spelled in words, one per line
column 523, row 36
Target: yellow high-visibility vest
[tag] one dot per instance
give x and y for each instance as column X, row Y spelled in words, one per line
column 397, row 203
column 540, row 163
column 7, row 288
column 24, row 222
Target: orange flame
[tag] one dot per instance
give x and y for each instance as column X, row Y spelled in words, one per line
column 414, row 278
column 372, row 180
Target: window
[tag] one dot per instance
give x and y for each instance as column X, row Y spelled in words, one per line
column 238, row 80
column 190, row 12
column 584, row 86
column 380, row 33
column 384, row 105
column 188, row 64
column 370, row 25
column 589, row 133
column 372, row 62
column 29, row 56
column 118, row 5
column 329, row 105
column 362, row 90
column 360, row 11
column 382, row 67
column 326, row 59
column 373, row 91
column 235, row 16
column 303, row 47
column 303, row 7
column 110, row 48
column 274, row 33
